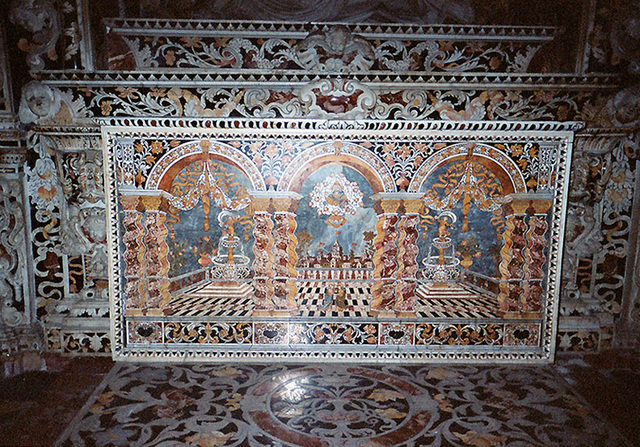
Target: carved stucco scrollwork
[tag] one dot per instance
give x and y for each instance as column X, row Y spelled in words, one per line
column 283, row 101
column 69, row 229
column 583, row 233
column 45, row 197
column 338, row 50
column 599, row 224
column 83, row 231
column 338, row 98
column 13, row 256
column 143, row 44
column 625, row 36
column 624, row 108
column 393, row 55
column 40, row 19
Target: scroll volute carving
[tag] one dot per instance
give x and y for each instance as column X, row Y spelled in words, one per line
column 40, row 20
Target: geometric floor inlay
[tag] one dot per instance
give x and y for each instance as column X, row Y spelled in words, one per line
column 217, row 299
column 214, row 299
column 336, row 405
column 455, row 301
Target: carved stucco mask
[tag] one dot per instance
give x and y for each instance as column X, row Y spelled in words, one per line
column 38, row 102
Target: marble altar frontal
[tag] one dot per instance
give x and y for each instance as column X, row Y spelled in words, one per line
column 308, row 240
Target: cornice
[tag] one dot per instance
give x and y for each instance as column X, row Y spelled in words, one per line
column 301, row 29
column 294, row 128
column 406, row 81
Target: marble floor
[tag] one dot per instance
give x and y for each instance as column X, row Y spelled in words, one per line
column 215, row 299
column 582, row 400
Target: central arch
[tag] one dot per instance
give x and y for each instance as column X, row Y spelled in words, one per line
column 346, row 154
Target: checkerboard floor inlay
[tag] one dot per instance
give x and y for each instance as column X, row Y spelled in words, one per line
column 220, row 299
column 214, row 299
column 314, row 301
column 454, row 301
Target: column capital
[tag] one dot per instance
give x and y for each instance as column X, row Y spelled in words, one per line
column 145, row 200
column 527, row 203
column 131, row 203
column 155, row 203
column 397, row 202
column 271, row 201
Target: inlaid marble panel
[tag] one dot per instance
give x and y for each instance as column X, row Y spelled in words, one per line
column 312, row 239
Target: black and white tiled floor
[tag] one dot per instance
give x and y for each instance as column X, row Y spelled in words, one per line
column 214, row 300
column 312, row 300
column 455, row 301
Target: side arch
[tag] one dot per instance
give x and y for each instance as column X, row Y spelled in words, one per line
column 347, row 154
column 166, row 169
column 503, row 167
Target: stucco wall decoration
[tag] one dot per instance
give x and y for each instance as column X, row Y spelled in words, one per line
column 311, row 239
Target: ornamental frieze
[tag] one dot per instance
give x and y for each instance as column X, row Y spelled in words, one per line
column 145, row 44
column 62, row 101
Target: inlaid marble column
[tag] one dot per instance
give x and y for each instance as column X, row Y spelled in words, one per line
column 263, row 261
column 134, row 255
column 534, row 255
column 407, row 257
column 385, row 262
column 284, row 250
column 157, row 250
column 523, row 255
column 275, row 253
column 146, row 250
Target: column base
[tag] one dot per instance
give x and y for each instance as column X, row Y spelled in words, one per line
column 382, row 313
column 406, row 314
column 519, row 315
column 157, row 312
column 274, row 312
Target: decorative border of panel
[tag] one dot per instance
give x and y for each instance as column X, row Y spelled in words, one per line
column 139, row 153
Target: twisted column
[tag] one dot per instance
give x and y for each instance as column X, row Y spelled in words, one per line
column 275, row 254
column 534, row 254
column 134, row 256
column 146, row 254
column 523, row 255
column 155, row 241
column 263, row 261
column 385, row 258
column 285, row 243
column 407, row 259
